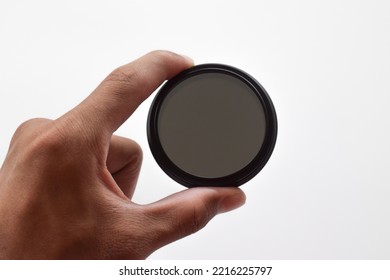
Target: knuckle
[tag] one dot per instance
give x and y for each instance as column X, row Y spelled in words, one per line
column 37, row 143
column 124, row 80
column 29, row 127
column 48, row 147
column 48, row 142
column 125, row 76
column 181, row 221
column 197, row 218
column 26, row 133
column 137, row 154
column 134, row 165
column 201, row 215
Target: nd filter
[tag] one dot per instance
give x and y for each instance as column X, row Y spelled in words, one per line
column 212, row 125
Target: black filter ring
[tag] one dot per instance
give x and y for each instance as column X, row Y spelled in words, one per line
column 243, row 175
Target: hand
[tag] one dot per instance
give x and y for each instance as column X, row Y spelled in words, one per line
column 66, row 184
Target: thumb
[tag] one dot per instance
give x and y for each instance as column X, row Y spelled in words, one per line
column 188, row 211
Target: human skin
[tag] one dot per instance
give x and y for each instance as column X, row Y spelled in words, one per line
column 66, row 184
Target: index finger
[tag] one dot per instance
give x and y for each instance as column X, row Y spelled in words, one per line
column 119, row 95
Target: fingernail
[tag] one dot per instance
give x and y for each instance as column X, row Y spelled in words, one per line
column 189, row 59
column 231, row 202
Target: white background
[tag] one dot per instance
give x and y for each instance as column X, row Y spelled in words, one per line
column 326, row 64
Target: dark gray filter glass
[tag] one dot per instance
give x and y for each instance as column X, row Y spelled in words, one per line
column 211, row 125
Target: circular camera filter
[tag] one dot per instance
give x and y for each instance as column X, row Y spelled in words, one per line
column 212, row 125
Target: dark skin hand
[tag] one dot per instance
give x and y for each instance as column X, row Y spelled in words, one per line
column 66, row 184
